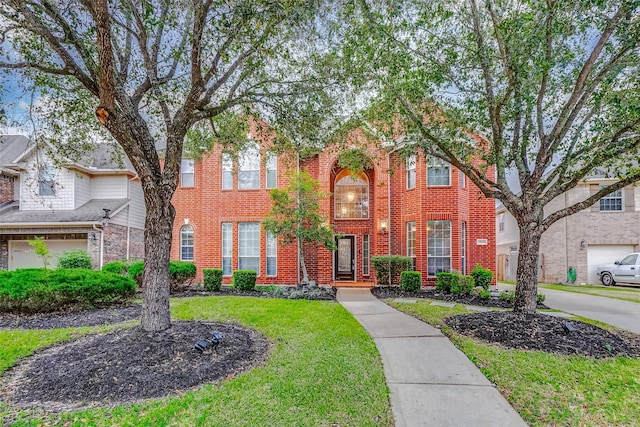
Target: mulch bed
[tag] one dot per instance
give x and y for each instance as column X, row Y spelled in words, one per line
column 542, row 332
column 129, row 364
column 72, row 319
column 384, row 292
column 320, row 293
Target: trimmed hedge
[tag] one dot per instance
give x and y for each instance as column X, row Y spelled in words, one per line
column 75, row 258
column 443, row 281
column 482, row 276
column 461, row 284
column 135, row 271
column 118, row 267
column 181, row 274
column 410, row 281
column 42, row 291
column 212, row 279
column 389, row 267
column 244, row 280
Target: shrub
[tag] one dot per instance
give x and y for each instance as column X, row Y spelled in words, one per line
column 484, row 294
column 135, row 271
column 389, row 267
column 244, row 280
column 461, row 284
column 410, row 281
column 181, row 274
column 41, row 290
column 118, row 267
column 75, row 258
column 482, row 276
column 509, row 295
column 212, row 279
column 443, row 281
column 540, row 298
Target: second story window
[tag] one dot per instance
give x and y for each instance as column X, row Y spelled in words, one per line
column 410, row 165
column 249, row 167
column 272, row 170
column 438, row 173
column 501, row 222
column 227, row 171
column 187, row 172
column 612, row 202
column 351, row 196
column 46, row 180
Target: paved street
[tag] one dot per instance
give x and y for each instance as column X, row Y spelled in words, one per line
column 623, row 314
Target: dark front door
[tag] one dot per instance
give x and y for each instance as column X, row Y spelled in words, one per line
column 345, row 258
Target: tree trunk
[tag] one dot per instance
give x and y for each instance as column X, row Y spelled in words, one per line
column 305, row 275
column 155, row 282
column 527, row 272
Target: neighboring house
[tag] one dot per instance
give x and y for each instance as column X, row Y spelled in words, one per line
column 428, row 211
column 601, row 234
column 96, row 205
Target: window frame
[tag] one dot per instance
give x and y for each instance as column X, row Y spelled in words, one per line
column 366, row 255
column 271, row 165
column 410, row 229
column 183, row 246
column 607, row 201
column 227, row 172
column 463, row 247
column 248, row 160
column 184, row 165
column 436, row 163
column 432, row 227
column 341, row 204
column 255, row 250
column 271, row 253
column 501, row 222
column 46, row 180
column 227, row 247
column 410, row 175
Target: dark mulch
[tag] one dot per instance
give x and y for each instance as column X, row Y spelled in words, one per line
column 130, row 364
column 384, row 292
column 542, row 332
column 71, row 319
column 321, row 293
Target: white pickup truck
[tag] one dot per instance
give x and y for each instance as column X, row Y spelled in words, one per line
column 625, row 271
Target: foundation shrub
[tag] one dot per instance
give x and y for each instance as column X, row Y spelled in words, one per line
column 389, row 267
column 212, row 279
column 40, row 291
column 461, row 284
column 244, row 280
column 411, row 281
column 482, row 276
column 443, row 281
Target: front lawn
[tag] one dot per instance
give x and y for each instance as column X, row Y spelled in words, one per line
column 548, row 389
column 324, row 370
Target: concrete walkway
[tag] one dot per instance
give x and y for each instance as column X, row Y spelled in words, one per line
column 432, row 383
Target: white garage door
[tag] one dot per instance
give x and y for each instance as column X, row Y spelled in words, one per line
column 604, row 254
column 21, row 255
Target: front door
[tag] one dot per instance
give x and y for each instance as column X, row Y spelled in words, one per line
column 345, row 258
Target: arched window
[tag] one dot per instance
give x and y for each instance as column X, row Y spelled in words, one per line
column 351, row 196
column 186, row 243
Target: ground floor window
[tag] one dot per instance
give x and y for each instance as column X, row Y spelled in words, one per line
column 463, row 247
column 227, row 248
column 439, row 247
column 186, row 243
column 249, row 246
column 365, row 255
column 272, row 255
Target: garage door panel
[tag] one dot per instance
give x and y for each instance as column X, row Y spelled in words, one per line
column 604, row 254
column 21, row 255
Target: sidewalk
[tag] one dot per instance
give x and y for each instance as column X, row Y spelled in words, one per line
column 432, row 383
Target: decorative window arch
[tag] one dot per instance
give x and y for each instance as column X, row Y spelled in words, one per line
column 186, row 243
column 351, row 195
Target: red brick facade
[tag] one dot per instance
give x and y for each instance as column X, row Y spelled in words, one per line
column 6, row 188
column 205, row 206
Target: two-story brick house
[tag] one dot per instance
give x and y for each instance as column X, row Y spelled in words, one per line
column 95, row 204
column 426, row 210
column 601, row 234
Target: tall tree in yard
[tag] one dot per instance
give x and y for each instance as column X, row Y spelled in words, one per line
column 152, row 70
column 295, row 216
column 544, row 93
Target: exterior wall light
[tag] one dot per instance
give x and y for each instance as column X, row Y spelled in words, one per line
column 383, row 225
column 583, row 244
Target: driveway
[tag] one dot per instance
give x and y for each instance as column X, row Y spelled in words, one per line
column 623, row 314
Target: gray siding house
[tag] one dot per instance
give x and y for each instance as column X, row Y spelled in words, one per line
column 601, row 234
column 95, row 204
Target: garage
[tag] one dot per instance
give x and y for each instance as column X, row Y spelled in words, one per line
column 21, row 255
column 604, row 254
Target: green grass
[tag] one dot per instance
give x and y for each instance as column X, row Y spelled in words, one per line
column 624, row 294
column 324, row 370
column 548, row 389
